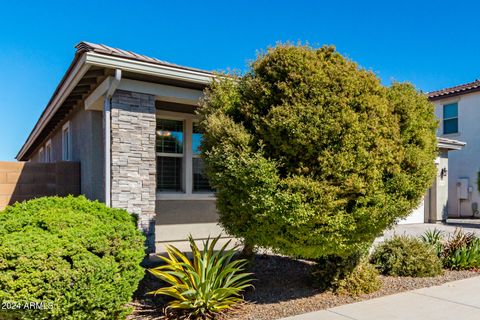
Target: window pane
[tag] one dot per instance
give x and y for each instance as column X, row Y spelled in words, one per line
column 450, row 126
column 450, row 111
column 169, row 136
column 169, row 174
column 200, row 181
column 196, row 139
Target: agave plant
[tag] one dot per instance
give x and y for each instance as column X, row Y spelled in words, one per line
column 209, row 283
column 434, row 238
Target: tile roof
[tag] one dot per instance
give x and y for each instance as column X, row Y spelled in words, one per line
column 107, row 50
column 453, row 91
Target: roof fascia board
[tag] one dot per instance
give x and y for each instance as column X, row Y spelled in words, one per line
column 163, row 92
column 142, row 67
column 81, row 67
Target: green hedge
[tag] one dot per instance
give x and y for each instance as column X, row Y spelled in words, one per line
column 406, row 256
column 76, row 255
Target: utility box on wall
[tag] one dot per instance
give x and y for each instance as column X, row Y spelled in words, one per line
column 462, row 188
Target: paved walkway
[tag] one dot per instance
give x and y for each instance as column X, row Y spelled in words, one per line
column 450, row 301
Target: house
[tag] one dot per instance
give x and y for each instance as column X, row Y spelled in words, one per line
column 457, row 109
column 129, row 120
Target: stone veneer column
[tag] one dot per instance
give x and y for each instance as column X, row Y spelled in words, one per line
column 133, row 158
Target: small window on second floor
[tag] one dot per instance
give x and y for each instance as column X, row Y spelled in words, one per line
column 48, row 151
column 450, row 118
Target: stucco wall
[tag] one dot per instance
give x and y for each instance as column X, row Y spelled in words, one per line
column 177, row 219
column 87, row 149
column 466, row 162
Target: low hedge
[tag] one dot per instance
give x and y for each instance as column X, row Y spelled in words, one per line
column 75, row 258
column 406, row 256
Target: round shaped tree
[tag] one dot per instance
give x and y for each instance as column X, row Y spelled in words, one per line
column 311, row 156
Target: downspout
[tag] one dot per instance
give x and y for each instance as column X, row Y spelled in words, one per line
column 107, row 142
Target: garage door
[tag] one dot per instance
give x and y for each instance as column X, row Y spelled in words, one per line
column 417, row 215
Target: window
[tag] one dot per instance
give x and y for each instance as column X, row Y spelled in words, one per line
column 41, row 155
column 179, row 166
column 169, row 147
column 450, row 118
column 200, row 181
column 66, row 142
column 48, row 151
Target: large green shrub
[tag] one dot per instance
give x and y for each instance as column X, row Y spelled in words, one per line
column 311, row 156
column 406, row 256
column 79, row 256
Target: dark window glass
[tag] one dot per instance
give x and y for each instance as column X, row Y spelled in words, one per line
column 196, row 139
column 450, row 118
column 169, row 136
column 169, row 173
column 450, row 111
column 200, row 181
column 450, row 126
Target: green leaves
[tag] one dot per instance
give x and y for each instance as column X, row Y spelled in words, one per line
column 80, row 255
column 208, row 284
column 311, row 156
column 406, row 256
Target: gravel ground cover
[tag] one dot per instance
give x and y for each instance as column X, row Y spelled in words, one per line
column 283, row 288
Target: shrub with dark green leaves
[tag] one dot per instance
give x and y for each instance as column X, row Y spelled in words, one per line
column 311, row 156
column 406, row 256
column 75, row 255
column 461, row 251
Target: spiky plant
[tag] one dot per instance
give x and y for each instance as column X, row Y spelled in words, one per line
column 434, row 238
column 206, row 285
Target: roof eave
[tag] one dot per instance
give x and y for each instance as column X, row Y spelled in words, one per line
column 450, row 144
column 89, row 59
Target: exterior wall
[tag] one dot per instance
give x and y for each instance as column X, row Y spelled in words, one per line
column 465, row 163
column 133, row 158
column 177, row 219
column 21, row 181
column 87, row 149
column 441, row 185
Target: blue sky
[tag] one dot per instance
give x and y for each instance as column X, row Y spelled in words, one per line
column 433, row 44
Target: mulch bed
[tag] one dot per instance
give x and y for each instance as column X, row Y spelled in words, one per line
column 283, row 288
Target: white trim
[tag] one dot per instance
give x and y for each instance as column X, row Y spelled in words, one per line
column 66, row 151
column 142, row 67
column 163, row 92
column 187, row 183
column 41, row 155
column 162, row 196
column 48, row 151
column 77, row 73
column 94, row 100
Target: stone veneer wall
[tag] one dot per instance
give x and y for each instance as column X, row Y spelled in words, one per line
column 133, row 158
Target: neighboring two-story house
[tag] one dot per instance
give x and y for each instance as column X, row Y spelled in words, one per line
column 458, row 110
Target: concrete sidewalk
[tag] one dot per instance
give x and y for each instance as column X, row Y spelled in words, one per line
column 452, row 300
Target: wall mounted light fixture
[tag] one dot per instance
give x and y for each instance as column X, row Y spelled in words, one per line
column 443, row 173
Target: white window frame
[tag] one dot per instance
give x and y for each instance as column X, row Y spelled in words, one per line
column 188, row 120
column 48, row 151
column 41, row 155
column 66, row 143
column 451, row 118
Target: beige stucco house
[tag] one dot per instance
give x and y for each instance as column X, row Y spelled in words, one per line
column 129, row 120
